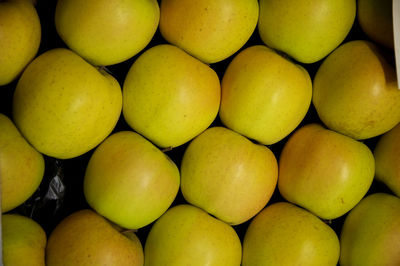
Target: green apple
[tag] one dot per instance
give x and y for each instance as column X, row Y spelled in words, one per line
column 325, row 172
column 284, row 235
column 86, row 238
column 375, row 18
column 355, row 91
column 20, row 37
column 186, row 235
column 24, row 241
column 264, row 96
column 129, row 181
column 227, row 175
column 307, row 30
column 64, row 106
column 387, row 159
column 210, row 30
column 371, row 232
column 21, row 166
column 107, row 32
column 169, row 96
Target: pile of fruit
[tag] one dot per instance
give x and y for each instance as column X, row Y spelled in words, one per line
column 199, row 132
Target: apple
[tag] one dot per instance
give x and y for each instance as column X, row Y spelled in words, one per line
column 355, row 91
column 284, row 234
column 24, row 241
column 264, row 95
column 211, row 30
column 324, row 172
column 129, row 181
column 170, row 97
column 21, row 166
column 107, row 32
column 376, row 20
column 227, row 175
column 186, row 235
column 371, row 232
column 64, row 106
column 86, row 238
column 20, row 37
column 387, row 159
column 307, row 30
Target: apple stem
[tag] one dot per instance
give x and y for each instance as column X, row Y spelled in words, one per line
column 167, row 149
column 129, row 230
column 329, row 222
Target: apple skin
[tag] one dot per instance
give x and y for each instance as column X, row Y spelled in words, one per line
column 264, row 96
column 86, row 238
column 284, row 234
column 387, row 159
column 371, row 232
column 211, row 30
column 376, row 20
column 21, row 166
column 307, row 30
column 129, row 181
column 24, row 241
column 324, row 172
column 64, row 106
column 107, row 32
column 227, row 175
column 186, row 235
column 355, row 91
column 169, row 96
column 21, row 32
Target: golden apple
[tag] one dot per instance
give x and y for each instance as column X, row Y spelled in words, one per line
column 24, row 241
column 86, row 238
column 325, row 172
column 387, row 159
column 64, row 106
column 285, row 235
column 129, row 181
column 169, row 96
column 371, row 232
column 210, row 30
column 307, row 30
column 376, row 20
column 227, row 175
column 21, row 166
column 20, row 37
column 107, row 32
column 264, row 96
column 355, row 91
column 186, row 235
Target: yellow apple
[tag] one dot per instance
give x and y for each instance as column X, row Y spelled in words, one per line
column 21, row 166
column 24, row 241
column 64, row 106
column 286, row 235
column 107, row 32
column 355, row 91
column 186, row 235
column 210, row 30
column 264, row 96
column 169, row 96
column 375, row 18
column 307, row 30
column 20, row 37
column 86, row 238
column 387, row 159
column 371, row 232
column 325, row 172
column 129, row 181
column 227, row 175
